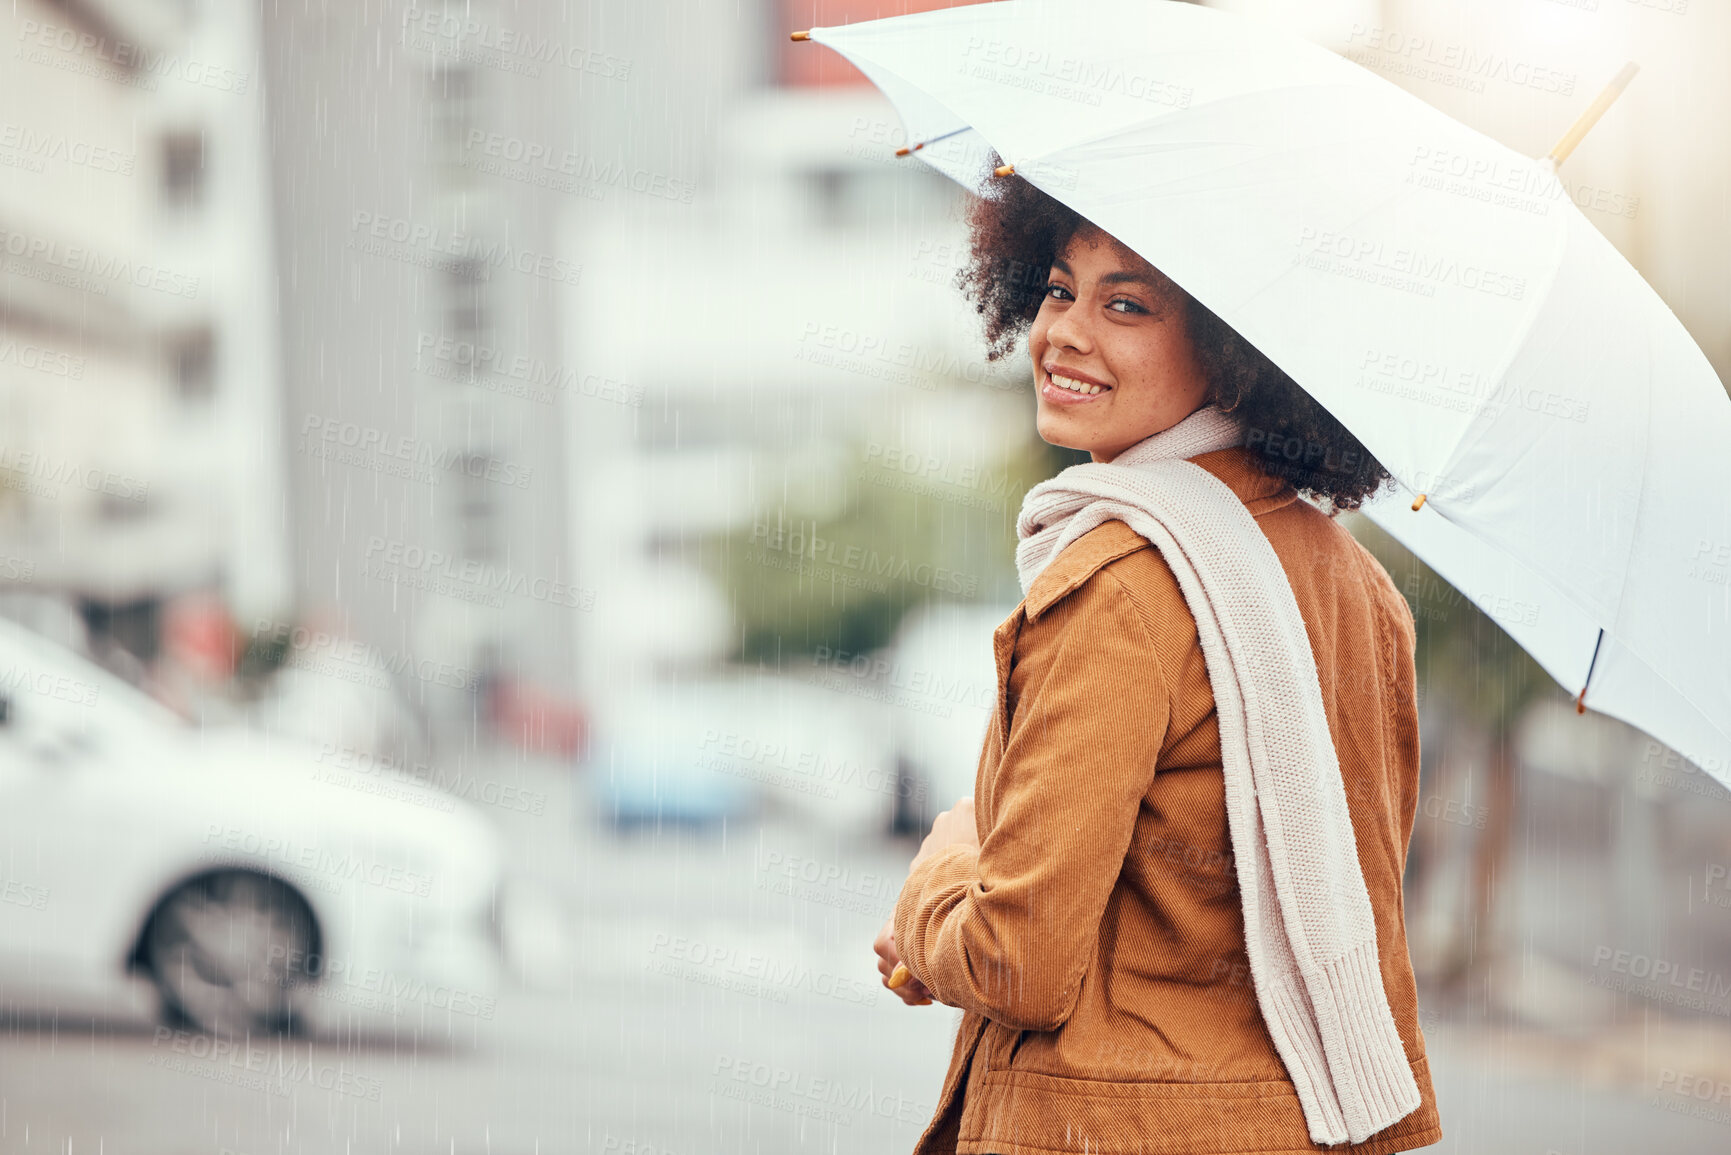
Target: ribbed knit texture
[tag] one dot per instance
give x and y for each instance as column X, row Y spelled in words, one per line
column 1310, row 931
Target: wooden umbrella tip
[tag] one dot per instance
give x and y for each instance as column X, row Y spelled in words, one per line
column 903, row 151
column 1004, row 170
column 806, row 35
column 1419, row 504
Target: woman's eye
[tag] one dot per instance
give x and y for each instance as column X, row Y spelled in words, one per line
column 1133, row 306
column 1054, row 287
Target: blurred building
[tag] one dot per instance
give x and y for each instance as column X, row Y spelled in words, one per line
column 140, row 436
column 420, row 279
column 777, row 343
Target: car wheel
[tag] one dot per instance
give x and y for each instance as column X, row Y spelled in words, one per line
column 227, row 950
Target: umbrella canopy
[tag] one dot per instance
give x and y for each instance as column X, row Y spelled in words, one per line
column 1438, row 292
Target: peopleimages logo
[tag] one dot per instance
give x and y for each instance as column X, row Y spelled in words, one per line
column 821, row 1100
column 752, row 974
column 1661, row 980
column 874, row 675
column 379, row 988
column 243, row 1063
column 318, row 861
column 499, row 46
column 42, row 146
column 796, row 542
column 449, row 784
column 321, row 652
column 435, row 571
column 60, row 687
column 419, row 243
column 1411, row 270
column 586, row 175
column 1451, row 63
column 516, row 373
column 17, row 892
column 94, row 271
column 1462, row 390
column 411, row 457
column 42, row 467
column 781, row 764
column 42, row 359
column 1072, row 78
column 897, row 362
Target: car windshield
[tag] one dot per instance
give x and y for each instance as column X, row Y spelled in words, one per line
column 38, row 676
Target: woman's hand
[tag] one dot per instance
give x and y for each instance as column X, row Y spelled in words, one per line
column 951, row 828
column 910, row 991
column 954, row 827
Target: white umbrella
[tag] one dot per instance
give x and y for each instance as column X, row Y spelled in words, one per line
column 1440, row 293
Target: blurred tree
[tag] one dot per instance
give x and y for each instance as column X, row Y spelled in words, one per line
column 798, row 583
column 1475, row 683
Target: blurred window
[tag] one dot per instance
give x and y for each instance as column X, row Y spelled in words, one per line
column 466, row 300
column 183, row 170
column 452, row 111
column 193, row 358
column 477, row 511
column 111, row 508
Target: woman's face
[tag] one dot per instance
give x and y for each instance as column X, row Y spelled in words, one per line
column 1112, row 320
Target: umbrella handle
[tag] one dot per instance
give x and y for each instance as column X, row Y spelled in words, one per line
column 1584, row 123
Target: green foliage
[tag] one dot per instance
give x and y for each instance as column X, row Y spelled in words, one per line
column 844, row 580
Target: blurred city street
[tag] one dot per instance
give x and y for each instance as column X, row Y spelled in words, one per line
column 503, row 514
column 687, row 991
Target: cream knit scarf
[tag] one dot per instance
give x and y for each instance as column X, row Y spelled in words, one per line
column 1308, row 926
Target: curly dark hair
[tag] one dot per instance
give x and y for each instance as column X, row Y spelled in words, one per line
column 1014, row 232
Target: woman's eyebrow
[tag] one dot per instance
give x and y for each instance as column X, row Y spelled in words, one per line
column 1119, row 278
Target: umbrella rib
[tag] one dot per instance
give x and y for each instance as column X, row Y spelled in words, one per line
column 1581, row 698
column 913, row 148
column 1682, row 695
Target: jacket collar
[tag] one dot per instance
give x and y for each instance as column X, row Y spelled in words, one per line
column 1236, row 467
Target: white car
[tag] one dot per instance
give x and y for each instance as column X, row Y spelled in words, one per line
column 229, row 880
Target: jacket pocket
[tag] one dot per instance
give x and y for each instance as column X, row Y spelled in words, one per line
column 1015, row 1044
column 1002, row 1043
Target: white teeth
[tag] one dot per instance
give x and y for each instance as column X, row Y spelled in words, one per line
column 1073, row 385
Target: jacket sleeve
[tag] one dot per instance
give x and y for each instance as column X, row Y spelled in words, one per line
column 1009, row 931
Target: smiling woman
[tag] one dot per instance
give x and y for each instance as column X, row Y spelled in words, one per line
column 1173, row 925
column 1097, row 314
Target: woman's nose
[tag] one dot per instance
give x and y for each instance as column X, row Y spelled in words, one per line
column 1069, row 332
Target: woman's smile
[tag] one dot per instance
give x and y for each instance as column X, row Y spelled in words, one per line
column 1068, row 387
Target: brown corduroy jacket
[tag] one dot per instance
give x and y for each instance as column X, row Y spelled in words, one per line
column 1095, row 940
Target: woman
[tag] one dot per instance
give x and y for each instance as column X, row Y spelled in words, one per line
column 1090, row 917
